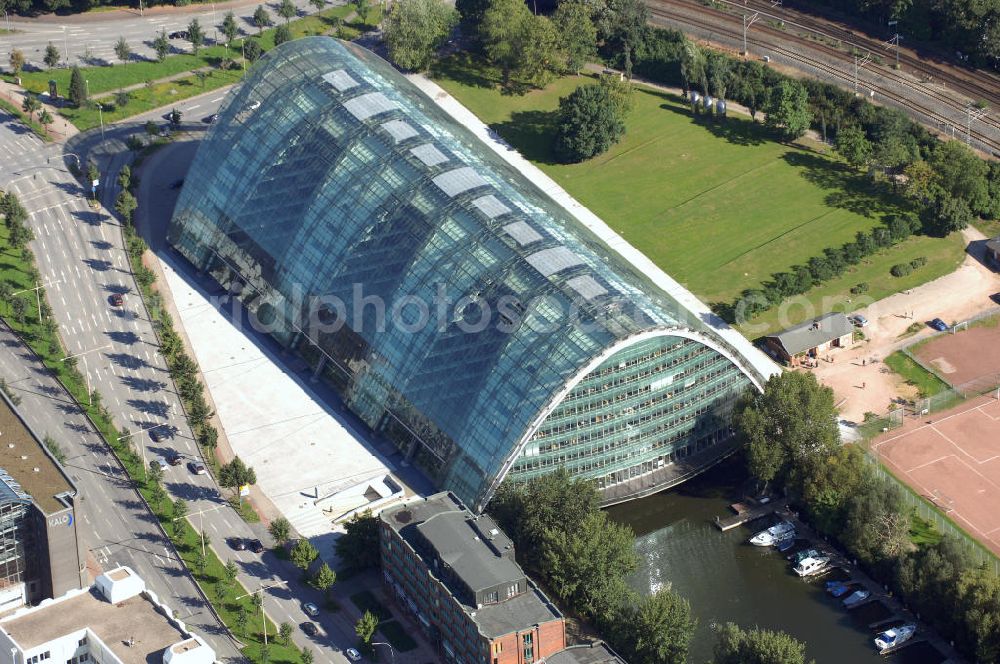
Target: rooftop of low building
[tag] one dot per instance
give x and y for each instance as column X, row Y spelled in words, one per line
column 29, row 468
column 810, row 334
column 597, row 652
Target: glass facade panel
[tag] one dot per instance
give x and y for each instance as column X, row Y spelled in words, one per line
column 451, row 300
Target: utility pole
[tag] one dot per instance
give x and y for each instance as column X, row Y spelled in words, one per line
column 859, row 62
column 260, row 589
column 38, row 297
column 894, row 41
column 86, row 374
column 201, row 515
column 65, row 43
column 747, row 22
column 972, row 112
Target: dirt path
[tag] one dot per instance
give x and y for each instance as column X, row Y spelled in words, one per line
column 859, row 379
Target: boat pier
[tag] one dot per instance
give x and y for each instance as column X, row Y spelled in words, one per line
column 748, row 511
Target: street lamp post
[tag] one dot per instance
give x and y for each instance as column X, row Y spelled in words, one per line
column 38, row 297
column 65, row 43
column 86, row 374
column 260, row 589
column 201, row 520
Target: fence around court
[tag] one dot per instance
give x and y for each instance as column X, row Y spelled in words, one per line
column 935, row 514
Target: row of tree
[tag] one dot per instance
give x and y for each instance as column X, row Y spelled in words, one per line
column 793, row 442
column 831, row 264
column 584, row 557
column 15, row 218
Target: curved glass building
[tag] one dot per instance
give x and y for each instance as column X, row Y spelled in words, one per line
column 461, row 312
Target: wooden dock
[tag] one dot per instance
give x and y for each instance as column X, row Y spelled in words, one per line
column 753, row 512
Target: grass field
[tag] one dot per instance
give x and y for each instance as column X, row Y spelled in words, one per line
column 927, row 384
column 720, row 207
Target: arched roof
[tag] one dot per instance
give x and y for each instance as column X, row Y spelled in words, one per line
column 328, row 169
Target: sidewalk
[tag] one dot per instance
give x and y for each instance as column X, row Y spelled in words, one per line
column 60, row 129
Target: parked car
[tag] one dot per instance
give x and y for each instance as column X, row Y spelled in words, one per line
column 156, row 434
column 310, row 609
column 255, row 545
column 858, row 320
column 197, row 468
column 237, row 544
column 939, row 325
column 310, row 629
column 353, row 655
column 178, row 34
column 117, row 300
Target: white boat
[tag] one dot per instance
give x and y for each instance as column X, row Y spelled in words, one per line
column 856, row 597
column 810, row 566
column 773, row 535
column 891, row 638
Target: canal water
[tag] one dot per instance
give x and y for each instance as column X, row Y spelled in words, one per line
column 727, row 580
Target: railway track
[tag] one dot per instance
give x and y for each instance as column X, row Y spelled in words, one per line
column 983, row 85
column 985, row 131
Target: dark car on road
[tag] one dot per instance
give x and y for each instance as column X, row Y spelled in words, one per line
column 939, row 325
column 212, row 118
column 174, row 459
column 310, row 629
column 255, row 545
column 117, row 300
column 237, row 544
column 178, row 34
column 156, row 435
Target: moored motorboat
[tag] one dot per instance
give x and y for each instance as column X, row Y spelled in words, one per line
column 891, row 638
column 856, row 597
column 774, row 534
column 811, row 566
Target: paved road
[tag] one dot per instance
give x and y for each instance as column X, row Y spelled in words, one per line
column 94, row 35
column 82, row 262
column 116, row 527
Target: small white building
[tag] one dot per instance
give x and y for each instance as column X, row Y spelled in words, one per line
column 116, row 621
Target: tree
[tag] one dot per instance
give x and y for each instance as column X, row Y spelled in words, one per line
column 286, row 10
column 17, row 61
column 318, row 4
column 30, row 105
column 307, row 656
column 415, row 29
column 125, row 205
column 577, row 34
column 280, row 530
column 787, row 109
column 202, row 75
column 471, row 14
column 282, row 35
column 262, row 18
column 252, row 50
column 877, row 522
column 52, row 56
column 587, row 567
column 358, row 546
column 979, row 606
column 285, row 632
column 656, row 629
column 208, row 437
column 362, row 7
column 45, row 118
column 19, row 309
column 792, row 420
column 236, row 474
column 125, row 177
column 694, row 68
column 522, row 45
column 748, row 86
column 161, row 45
column 242, row 619
column 77, row 87
column 196, row 35
column 622, row 26
column 323, row 578
column 365, row 627
column 123, row 50
column 230, row 571
column 826, row 483
column 303, row 553
column 180, row 511
column 589, row 124
column 757, row 646
column 54, row 448
column 229, row 27
column 853, row 145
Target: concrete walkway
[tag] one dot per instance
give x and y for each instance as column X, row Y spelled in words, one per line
column 60, row 129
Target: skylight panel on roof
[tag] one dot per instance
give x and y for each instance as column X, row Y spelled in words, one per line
column 341, row 80
column 367, row 105
column 429, row 154
column 461, row 179
column 522, row 233
column 399, row 130
column 551, row 261
column 586, row 286
column 491, row 206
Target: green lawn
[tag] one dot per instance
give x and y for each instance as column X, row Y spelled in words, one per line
column 720, row 207
column 922, row 531
column 32, row 124
column 927, row 384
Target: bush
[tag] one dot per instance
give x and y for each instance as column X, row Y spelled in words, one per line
column 589, row 124
column 919, row 261
column 858, row 289
column 900, row 269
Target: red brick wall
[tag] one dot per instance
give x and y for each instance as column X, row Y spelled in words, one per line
column 547, row 639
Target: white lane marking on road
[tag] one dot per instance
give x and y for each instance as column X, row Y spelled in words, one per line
column 191, row 108
column 213, row 526
column 217, row 99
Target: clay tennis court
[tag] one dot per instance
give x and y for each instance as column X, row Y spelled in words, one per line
column 952, row 459
column 964, row 356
